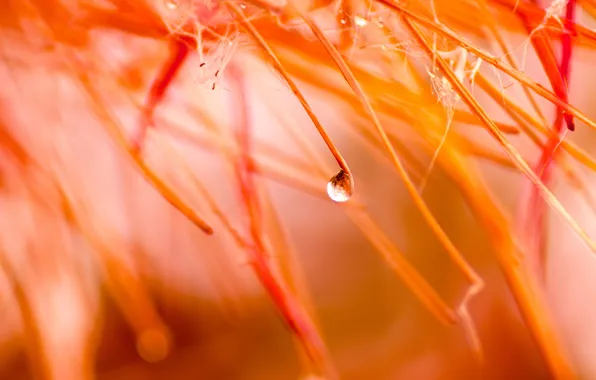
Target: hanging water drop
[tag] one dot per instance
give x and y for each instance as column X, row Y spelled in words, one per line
column 360, row 21
column 340, row 187
column 343, row 18
column 171, row 4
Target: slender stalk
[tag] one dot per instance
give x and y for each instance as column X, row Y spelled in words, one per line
column 293, row 312
column 283, row 72
column 492, row 60
column 476, row 283
column 538, row 223
column 396, row 260
column 179, row 51
column 492, row 25
column 498, row 135
column 529, row 303
column 116, row 133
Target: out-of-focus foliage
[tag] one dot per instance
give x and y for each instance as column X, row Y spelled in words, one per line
column 163, row 172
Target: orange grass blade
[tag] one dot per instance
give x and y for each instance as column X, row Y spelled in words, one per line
column 454, row 253
column 179, row 52
column 532, row 306
column 116, row 132
column 293, row 312
column 505, row 49
column 492, row 60
column 557, row 75
column 280, row 68
column 265, row 274
column 521, row 116
column 589, row 6
column 536, row 16
column 38, row 361
column 526, row 122
column 475, row 280
column 523, row 166
column 287, row 263
column 390, row 253
column 125, row 287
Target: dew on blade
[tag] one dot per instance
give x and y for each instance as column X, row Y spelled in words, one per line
column 171, row 4
column 340, row 187
column 360, row 21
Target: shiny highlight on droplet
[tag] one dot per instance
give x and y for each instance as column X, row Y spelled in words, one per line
column 340, row 187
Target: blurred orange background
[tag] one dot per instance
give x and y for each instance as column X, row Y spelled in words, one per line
column 107, row 274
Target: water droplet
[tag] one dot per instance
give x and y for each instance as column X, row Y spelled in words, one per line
column 340, row 187
column 360, row 21
column 343, row 18
column 171, row 4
